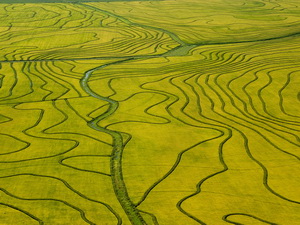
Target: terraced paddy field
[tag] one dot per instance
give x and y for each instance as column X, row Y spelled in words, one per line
column 150, row 112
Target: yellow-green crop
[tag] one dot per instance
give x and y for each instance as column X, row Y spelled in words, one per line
column 150, row 112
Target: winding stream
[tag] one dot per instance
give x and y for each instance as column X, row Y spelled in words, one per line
column 118, row 145
column 116, row 157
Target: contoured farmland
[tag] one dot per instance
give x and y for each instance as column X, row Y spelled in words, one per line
column 151, row 112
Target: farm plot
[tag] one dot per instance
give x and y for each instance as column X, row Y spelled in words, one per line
column 163, row 112
column 72, row 31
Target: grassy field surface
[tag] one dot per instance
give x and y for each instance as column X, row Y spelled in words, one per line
column 150, row 112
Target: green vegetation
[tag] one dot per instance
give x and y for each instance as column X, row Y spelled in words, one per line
column 152, row 112
column 219, row 21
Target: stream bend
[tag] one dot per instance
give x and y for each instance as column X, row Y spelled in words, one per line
column 118, row 147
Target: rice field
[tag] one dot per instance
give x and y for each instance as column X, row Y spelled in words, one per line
column 150, row 112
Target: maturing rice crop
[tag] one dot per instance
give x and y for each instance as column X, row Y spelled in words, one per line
column 174, row 112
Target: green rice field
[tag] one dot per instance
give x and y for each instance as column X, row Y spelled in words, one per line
column 172, row 112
